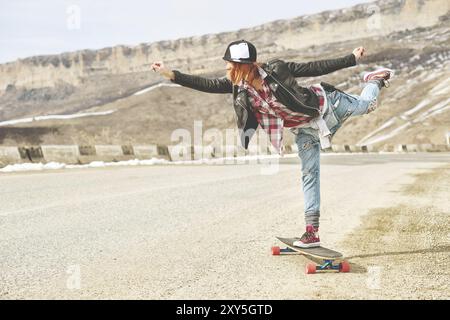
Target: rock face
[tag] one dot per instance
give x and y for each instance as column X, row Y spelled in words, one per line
column 410, row 36
column 378, row 18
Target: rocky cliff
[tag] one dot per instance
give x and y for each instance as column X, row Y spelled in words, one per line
column 411, row 36
column 201, row 54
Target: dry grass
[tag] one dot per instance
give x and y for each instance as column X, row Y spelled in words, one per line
column 430, row 181
column 408, row 243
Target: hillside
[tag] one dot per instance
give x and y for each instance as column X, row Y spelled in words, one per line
column 412, row 37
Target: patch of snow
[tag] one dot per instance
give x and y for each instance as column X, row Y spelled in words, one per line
column 56, row 117
column 437, row 112
column 33, row 167
column 155, row 87
column 437, row 109
column 101, row 164
column 441, row 86
column 416, row 57
column 95, row 164
column 433, row 59
column 411, row 81
column 403, row 117
column 387, row 124
column 389, row 135
column 421, row 105
column 433, row 111
column 431, row 76
column 9, row 122
column 440, row 105
column 418, row 68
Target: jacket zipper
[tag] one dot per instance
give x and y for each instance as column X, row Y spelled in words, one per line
column 239, row 103
column 246, row 112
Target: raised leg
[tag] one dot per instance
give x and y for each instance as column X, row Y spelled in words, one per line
column 353, row 105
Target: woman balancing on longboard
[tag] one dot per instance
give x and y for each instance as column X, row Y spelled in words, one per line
column 268, row 95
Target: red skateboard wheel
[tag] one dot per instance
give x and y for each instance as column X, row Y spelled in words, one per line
column 310, row 268
column 276, row 251
column 344, row 266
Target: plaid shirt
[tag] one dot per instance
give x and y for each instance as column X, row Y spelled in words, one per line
column 274, row 116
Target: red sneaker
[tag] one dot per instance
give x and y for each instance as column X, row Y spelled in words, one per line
column 310, row 238
column 383, row 74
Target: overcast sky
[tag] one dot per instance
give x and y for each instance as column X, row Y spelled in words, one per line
column 35, row 27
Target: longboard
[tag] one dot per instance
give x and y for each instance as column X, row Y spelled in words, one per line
column 329, row 260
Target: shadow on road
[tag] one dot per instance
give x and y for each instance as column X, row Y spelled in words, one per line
column 357, row 268
column 438, row 249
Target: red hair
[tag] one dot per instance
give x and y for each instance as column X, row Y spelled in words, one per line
column 244, row 72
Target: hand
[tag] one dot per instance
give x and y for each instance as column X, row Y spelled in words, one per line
column 161, row 69
column 359, row 53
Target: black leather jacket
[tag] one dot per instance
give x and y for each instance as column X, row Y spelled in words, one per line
column 281, row 80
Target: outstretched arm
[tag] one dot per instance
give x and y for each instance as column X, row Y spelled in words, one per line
column 321, row 67
column 219, row 85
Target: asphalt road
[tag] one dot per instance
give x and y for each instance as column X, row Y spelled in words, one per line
column 189, row 232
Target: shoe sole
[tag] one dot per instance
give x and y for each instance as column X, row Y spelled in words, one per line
column 380, row 71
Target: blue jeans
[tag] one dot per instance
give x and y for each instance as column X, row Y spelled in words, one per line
column 341, row 107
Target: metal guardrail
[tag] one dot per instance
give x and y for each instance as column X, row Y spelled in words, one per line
column 80, row 154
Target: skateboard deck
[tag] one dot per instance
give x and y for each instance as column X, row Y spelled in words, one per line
column 329, row 260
